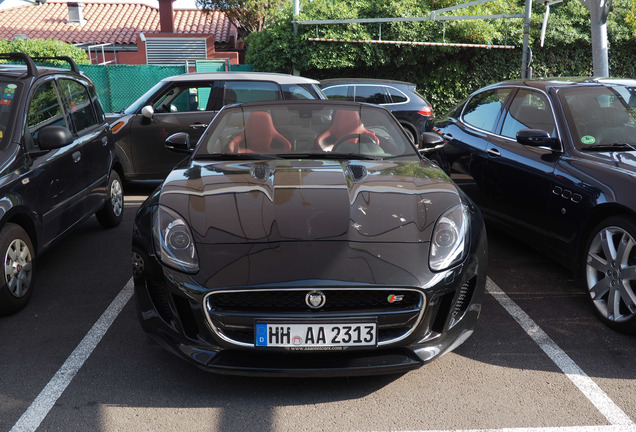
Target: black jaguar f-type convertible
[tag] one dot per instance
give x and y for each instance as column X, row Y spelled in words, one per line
column 308, row 238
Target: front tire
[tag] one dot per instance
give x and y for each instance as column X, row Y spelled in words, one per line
column 609, row 272
column 17, row 272
column 113, row 211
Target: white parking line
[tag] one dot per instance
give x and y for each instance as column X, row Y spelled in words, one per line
column 134, row 201
column 617, row 428
column 619, row 421
column 41, row 406
column 589, row 388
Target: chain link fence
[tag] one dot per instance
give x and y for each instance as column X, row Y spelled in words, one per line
column 118, row 86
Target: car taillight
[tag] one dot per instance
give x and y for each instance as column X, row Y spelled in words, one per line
column 426, row 111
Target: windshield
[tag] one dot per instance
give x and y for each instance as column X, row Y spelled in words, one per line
column 8, row 100
column 305, row 130
column 601, row 116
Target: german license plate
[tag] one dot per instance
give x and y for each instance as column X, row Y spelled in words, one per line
column 315, row 335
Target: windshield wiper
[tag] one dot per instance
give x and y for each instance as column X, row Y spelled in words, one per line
column 609, row 147
column 236, row 156
column 328, row 155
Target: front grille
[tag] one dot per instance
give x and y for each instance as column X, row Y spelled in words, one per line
column 159, row 298
column 294, row 301
column 464, row 297
column 168, row 304
column 246, row 336
column 232, row 314
column 451, row 307
column 188, row 321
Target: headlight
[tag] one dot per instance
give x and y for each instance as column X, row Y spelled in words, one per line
column 450, row 238
column 173, row 241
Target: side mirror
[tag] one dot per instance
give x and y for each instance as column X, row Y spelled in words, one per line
column 147, row 112
column 54, row 137
column 536, row 138
column 179, row 142
column 430, row 142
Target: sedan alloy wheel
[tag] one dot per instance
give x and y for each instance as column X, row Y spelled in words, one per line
column 610, row 273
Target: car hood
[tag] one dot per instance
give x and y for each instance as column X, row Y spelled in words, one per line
column 621, row 160
column 309, row 200
column 606, row 170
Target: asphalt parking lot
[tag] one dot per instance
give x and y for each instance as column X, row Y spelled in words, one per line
column 76, row 360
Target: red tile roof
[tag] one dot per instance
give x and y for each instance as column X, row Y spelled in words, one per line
column 107, row 22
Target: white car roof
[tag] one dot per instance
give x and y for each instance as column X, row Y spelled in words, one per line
column 248, row 76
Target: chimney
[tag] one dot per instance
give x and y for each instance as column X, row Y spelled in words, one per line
column 75, row 15
column 166, row 16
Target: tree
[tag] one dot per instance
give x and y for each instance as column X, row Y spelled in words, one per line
column 630, row 17
column 445, row 75
column 276, row 48
column 45, row 48
column 247, row 15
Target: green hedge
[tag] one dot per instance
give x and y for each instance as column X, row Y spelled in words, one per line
column 44, row 48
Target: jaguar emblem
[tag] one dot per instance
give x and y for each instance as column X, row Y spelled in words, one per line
column 315, row 299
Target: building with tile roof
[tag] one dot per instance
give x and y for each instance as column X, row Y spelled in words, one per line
column 134, row 31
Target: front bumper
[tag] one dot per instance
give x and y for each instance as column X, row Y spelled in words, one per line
column 182, row 314
column 179, row 328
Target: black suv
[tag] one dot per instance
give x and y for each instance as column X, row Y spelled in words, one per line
column 57, row 166
column 400, row 97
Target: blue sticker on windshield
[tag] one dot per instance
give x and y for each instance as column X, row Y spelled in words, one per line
column 587, row 139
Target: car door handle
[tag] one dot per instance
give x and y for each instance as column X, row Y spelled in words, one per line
column 447, row 137
column 198, row 126
column 77, row 156
column 493, row 152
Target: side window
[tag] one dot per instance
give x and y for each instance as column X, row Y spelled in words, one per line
column 484, row 108
column 44, row 110
column 396, row 95
column 184, row 98
column 251, row 91
column 528, row 110
column 297, row 92
column 99, row 109
column 337, row 92
column 370, row 94
column 78, row 104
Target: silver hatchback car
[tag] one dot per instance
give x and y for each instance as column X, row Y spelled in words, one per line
column 187, row 103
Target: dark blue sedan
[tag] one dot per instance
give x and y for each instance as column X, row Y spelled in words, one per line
column 554, row 163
